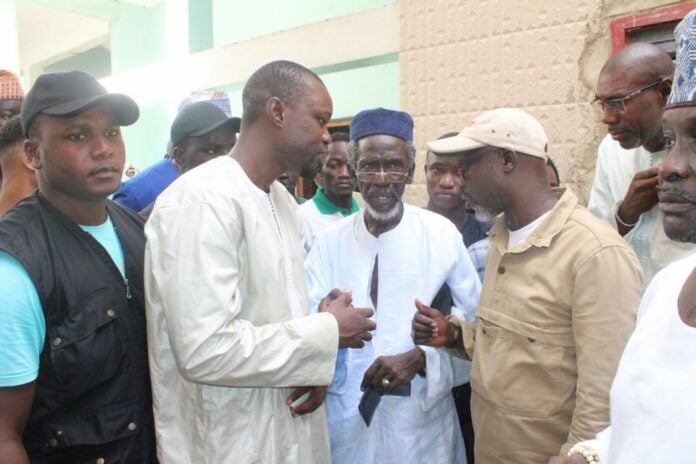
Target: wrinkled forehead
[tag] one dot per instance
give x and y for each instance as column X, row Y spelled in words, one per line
column 445, row 160
column 622, row 77
column 381, row 145
column 681, row 120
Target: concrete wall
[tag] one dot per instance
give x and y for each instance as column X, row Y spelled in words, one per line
column 459, row 58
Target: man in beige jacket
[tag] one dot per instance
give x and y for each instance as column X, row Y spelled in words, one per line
column 559, row 299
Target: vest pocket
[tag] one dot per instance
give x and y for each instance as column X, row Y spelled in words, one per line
column 85, row 348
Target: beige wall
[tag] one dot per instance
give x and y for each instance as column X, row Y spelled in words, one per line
column 461, row 57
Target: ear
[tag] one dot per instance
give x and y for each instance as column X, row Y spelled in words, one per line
column 32, row 153
column 509, row 159
column 178, row 157
column 26, row 162
column 665, row 89
column 411, row 171
column 275, row 110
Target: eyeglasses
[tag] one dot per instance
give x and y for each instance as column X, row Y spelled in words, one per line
column 619, row 104
column 372, row 176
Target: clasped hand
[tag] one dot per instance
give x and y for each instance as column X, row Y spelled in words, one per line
column 354, row 324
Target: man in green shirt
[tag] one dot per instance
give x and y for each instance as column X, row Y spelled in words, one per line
column 334, row 200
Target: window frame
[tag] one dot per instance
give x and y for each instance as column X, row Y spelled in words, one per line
column 621, row 27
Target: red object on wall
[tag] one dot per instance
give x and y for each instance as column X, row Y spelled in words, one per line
column 620, row 26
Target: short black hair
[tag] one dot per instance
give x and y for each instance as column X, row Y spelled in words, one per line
column 11, row 133
column 34, row 129
column 282, row 79
column 340, row 137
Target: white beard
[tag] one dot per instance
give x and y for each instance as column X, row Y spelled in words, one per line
column 382, row 217
column 484, row 214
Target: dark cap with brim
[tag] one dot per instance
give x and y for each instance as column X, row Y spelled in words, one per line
column 198, row 119
column 69, row 93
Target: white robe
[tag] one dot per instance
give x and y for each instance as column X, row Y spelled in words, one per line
column 653, row 404
column 315, row 222
column 415, row 258
column 229, row 329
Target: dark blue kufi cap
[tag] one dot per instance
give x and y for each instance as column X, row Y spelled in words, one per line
column 383, row 122
column 684, row 84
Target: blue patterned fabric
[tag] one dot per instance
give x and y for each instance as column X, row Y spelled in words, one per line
column 684, row 85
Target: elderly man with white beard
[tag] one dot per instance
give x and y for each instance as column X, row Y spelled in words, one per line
column 393, row 256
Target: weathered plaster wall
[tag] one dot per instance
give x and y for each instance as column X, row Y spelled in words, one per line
column 459, row 58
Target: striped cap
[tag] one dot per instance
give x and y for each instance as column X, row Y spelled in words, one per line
column 10, row 88
column 684, row 84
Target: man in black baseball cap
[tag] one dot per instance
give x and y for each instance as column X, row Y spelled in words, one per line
column 66, row 94
column 200, row 132
column 74, row 377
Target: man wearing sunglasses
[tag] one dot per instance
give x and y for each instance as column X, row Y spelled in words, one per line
column 632, row 91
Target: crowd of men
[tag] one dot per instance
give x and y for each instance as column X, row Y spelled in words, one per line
column 196, row 313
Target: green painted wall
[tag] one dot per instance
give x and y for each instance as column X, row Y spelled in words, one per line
column 353, row 87
column 200, row 25
column 353, row 90
column 146, row 140
column 138, row 37
column 237, row 20
column 95, row 61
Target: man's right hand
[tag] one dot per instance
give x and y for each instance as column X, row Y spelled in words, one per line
column 641, row 197
column 430, row 327
column 354, row 325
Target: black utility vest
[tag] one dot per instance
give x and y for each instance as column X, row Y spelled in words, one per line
column 93, row 395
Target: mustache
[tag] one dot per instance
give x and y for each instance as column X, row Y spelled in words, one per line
column 673, row 191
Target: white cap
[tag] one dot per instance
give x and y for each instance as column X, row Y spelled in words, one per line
column 509, row 128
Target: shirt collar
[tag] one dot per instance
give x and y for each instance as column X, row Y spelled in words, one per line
column 545, row 232
column 326, row 206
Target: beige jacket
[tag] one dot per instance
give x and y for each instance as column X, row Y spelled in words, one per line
column 555, row 314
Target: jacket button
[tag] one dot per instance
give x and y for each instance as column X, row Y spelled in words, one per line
column 101, row 461
column 484, row 331
column 57, row 341
column 110, row 313
column 53, row 443
column 531, row 339
column 501, row 270
column 132, row 426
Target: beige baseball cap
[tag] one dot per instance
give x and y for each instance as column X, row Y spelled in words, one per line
column 509, row 128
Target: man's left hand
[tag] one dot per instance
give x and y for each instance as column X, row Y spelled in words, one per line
column 316, row 397
column 397, row 370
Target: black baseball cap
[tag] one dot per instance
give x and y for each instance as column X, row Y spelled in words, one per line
column 198, row 119
column 69, row 93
